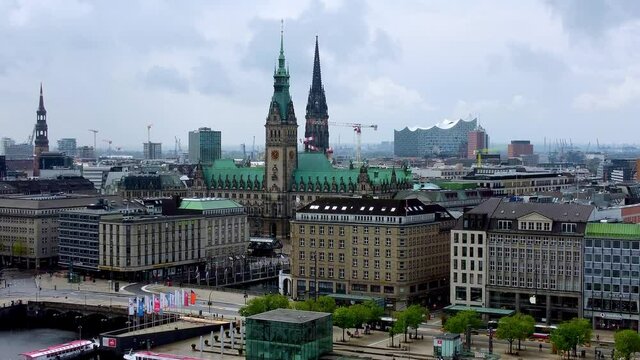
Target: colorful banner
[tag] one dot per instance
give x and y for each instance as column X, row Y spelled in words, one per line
column 185, row 297
column 172, row 300
column 193, row 297
column 148, row 304
column 140, row 307
column 156, row 304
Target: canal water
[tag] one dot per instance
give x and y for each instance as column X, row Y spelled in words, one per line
column 14, row 342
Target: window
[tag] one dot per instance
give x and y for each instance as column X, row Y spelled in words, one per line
column 341, row 257
column 341, row 244
column 330, row 243
column 341, row 273
column 569, row 227
column 354, row 274
column 302, row 242
column 387, row 276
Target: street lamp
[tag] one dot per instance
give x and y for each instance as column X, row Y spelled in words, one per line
column 80, row 332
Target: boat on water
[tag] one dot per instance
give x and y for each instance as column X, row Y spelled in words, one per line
column 148, row 355
column 69, row 350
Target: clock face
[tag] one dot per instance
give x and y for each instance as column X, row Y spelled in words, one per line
column 275, row 154
column 292, row 154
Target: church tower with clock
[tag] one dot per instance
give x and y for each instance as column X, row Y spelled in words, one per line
column 281, row 154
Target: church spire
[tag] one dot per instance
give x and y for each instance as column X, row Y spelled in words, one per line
column 317, row 126
column 281, row 96
column 316, row 82
column 41, row 108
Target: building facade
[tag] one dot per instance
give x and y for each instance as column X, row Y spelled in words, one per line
column 205, row 145
column 162, row 246
column 519, row 148
column 152, row 150
column 67, row 146
column 515, row 182
column 448, row 138
column 392, row 249
column 612, row 275
column 477, row 140
column 29, row 227
column 532, row 257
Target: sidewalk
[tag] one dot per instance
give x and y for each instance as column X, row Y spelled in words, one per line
column 232, row 298
column 59, row 281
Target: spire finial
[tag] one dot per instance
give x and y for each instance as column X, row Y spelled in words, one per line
column 41, row 104
column 281, row 36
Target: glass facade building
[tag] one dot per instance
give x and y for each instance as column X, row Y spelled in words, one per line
column 612, row 275
column 448, row 138
column 289, row 334
column 205, row 145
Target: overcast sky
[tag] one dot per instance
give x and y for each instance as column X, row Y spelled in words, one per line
column 527, row 68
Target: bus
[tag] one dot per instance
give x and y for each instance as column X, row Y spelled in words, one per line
column 543, row 331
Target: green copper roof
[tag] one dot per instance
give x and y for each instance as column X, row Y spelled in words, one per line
column 208, row 204
column 450, row 185
column 613, row 231
column 225, row 169
column 281, row 94
column 316, row 167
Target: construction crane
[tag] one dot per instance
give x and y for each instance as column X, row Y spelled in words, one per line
column 149, row 132
column 357, row 128
column 108, row 142
column 31, row 136
column 95, row 132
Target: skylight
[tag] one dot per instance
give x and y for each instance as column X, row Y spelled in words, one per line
column 393, row 209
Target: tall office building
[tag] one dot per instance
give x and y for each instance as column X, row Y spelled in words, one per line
column 67, row 146
column 518, row 148
column 5, row 143
column 477, row 140
column 205, row 145
column 152, row 150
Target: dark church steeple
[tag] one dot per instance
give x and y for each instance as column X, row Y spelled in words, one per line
column 41, row 143
column 317, row 125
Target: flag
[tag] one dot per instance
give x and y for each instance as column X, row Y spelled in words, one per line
column 177, row 301
column 233, row 336
column 185, row 297
column 156, row 304
column 193, row 297
column 172, row 300
column 165, row 301
column 140, row 306
column 131, row 308
column 148, row 304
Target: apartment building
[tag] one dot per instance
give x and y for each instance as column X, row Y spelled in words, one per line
column 159, row 246
column 392, row 249
column 468, row 255
column 29, row 227
column 612, row 275
column 532, row 258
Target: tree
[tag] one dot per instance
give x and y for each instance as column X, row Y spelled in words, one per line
column 571, row 333
column 375, row 311
column 343, row 318
column 264, row 303
column 627, row 343
column 462, row 320
column 415, row 316
column 516, row 327
column 323, row 304
column 395, row 329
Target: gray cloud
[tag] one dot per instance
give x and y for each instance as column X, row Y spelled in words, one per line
column 210, row 78
column 593, row 18
column 527, row 59
column 166, row 78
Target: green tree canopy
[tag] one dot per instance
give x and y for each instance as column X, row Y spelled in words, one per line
column 516, row 327
column 375, row 311
column 627, row 343
column 571, row 333
column 264, row 303
column 459, row 322
column 343, row 318
column 323, row 304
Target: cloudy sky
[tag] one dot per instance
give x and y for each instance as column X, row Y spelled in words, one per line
column 527, row 68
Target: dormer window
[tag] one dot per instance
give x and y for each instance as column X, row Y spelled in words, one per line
column 569, row 227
